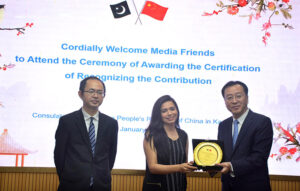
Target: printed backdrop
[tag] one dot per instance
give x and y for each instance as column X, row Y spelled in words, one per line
column 143, row 50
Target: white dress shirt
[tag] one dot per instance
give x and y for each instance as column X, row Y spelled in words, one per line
column 87, row 119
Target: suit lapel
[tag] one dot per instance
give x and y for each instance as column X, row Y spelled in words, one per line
column 100, row 129
column 228, row 136
column 244, row 129
column 80, row 123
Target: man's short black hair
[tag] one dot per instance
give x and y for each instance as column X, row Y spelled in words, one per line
column 83, row 83
column 232, row 83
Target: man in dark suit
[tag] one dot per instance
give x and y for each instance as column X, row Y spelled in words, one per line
column 86, row 143
column 247, row 138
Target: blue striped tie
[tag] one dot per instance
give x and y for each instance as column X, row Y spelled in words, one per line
column 93, row 143
column 92, row 135
column 235, row 131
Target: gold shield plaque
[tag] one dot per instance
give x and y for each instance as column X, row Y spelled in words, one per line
column 207, row 154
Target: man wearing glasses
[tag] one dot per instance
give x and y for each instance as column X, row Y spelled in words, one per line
column 86, row 143
column 247, row 138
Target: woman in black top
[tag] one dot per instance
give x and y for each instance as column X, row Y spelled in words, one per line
column 166, row 149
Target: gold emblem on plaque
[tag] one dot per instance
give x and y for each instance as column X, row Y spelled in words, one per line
column 208, row 154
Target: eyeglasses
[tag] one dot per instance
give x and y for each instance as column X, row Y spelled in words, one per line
column 236, row 96
column 92, row 92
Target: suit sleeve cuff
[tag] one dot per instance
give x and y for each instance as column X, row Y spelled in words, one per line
column 231, row 171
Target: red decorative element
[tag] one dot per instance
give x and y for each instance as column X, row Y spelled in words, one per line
column 293, row 150
column 154, row 10
column 257, row 16
column 257, row 7
column 265, row 37
column 298, row 128
column 210, row 14
column 267, row 25
column 232, row 10
column 271, row 6
column 9, row 147
column 250, row 19
column 243, row 3
column 7, row 66
column 283, row 150
column 264, row 40
column 23, row 29
column 286, row 133
column 29, row 25
column 3, row 68
column 291, row 145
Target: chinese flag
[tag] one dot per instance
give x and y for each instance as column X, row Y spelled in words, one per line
column 154, row 10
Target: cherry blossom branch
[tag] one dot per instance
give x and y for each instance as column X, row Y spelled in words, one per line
column 19, row 29
column 274, row 6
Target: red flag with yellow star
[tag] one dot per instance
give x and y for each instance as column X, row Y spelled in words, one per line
column 154, row 10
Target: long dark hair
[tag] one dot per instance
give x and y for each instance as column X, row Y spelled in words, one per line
column 155, row 133
column 156, row 123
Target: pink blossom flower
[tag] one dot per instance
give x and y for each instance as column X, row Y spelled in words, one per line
column 242, row 3
column 298, row 127
column 286, row 133
column 271, row 6
column 292, row 150
column 283, row 150
column 250, row 19
column 257, row 16
column 264, row 40
column 267, row 25
column 232, row 10
column 286, row 1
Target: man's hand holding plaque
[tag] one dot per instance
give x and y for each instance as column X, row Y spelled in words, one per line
column 207, row 153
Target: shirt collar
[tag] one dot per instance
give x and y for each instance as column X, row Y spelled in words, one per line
column 242, row 118
column 86, row 116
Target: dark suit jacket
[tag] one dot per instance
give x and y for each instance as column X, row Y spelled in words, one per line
column 250, row 154
column 73, row 157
